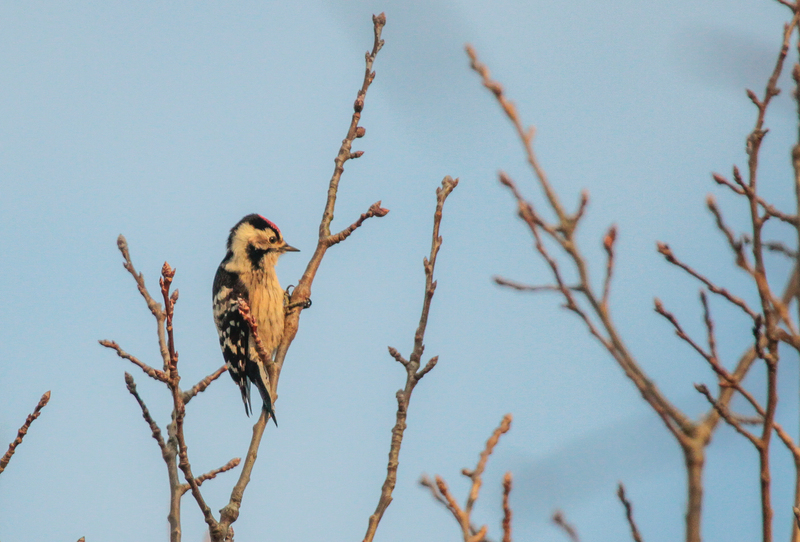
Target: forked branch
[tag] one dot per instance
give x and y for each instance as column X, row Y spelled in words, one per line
column 413, row 372
column 463, row 515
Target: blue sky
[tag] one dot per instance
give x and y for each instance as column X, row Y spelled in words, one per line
column 168, row 123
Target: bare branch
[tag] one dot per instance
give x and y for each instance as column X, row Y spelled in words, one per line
column 525, row 135
column 203, row 384
column 149, row 371
column 664, row 249
column 727, row 416
column 608, row 245
column 559, row 519
column 413, row 375
column 475, row 475
column 428, row 366
column 628, row 512
column 744, row 190
column 374, row 210
column 442, row 494
column 659, row 307
column 155, row 308
column 737, row 245
column 23, row 431
column 520, row 287
column 563, row 234
column 398, row 356
column 230, row 512
column 230, row 465
column 506, row 523
column 156, row 431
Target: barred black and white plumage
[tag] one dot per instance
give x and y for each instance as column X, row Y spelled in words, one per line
column 248, row 271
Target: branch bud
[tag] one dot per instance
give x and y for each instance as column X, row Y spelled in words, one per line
column 359, row 103
column 608, row 240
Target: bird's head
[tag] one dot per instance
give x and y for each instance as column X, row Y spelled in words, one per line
column 258, row 240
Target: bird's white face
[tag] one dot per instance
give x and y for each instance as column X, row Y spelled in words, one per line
column 260, row 248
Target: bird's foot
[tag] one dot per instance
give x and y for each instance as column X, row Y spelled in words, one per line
column 288, row 305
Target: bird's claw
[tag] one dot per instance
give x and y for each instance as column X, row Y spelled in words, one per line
column 287, row 295
column 304, row 304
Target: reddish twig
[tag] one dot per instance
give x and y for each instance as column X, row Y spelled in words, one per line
column 772, row 313
column 244, row 310
column 442, row 494
column 659, row 308
column 507, row 514
column 608, row 245
column 173, row 449
column 165, row 281
column 23, row 431
column 744, row 190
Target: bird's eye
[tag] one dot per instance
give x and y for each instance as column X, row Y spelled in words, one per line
column 273, row 239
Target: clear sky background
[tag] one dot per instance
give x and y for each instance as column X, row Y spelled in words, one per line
column 169, row 122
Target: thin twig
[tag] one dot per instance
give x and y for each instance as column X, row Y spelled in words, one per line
column 203, row 384
column 155, row 430
column 23, row 431
column 155, row 307
column 659, row 308
column 737, row 245
column 230, row 465
column 442, row 494
column 628, row 512
column 608, row 245
column 149, row 371
column 412, row 365
column 520, row 287
column 230, row 512
column 475, row 475
column 507, row 514
column 374, row 210
column 727, row 416
column 559, row 519
column 665, row 251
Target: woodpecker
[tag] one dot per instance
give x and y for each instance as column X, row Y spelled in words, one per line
column 248, row 271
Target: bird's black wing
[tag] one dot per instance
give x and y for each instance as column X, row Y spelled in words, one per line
column 234, row 333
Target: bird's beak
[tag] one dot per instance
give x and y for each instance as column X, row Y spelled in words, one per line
column 289, row 248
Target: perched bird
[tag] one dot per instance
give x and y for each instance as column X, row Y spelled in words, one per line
column 248, row 271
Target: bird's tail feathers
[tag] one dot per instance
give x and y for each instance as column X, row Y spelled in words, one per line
column 248, row 404
column 262, row 383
